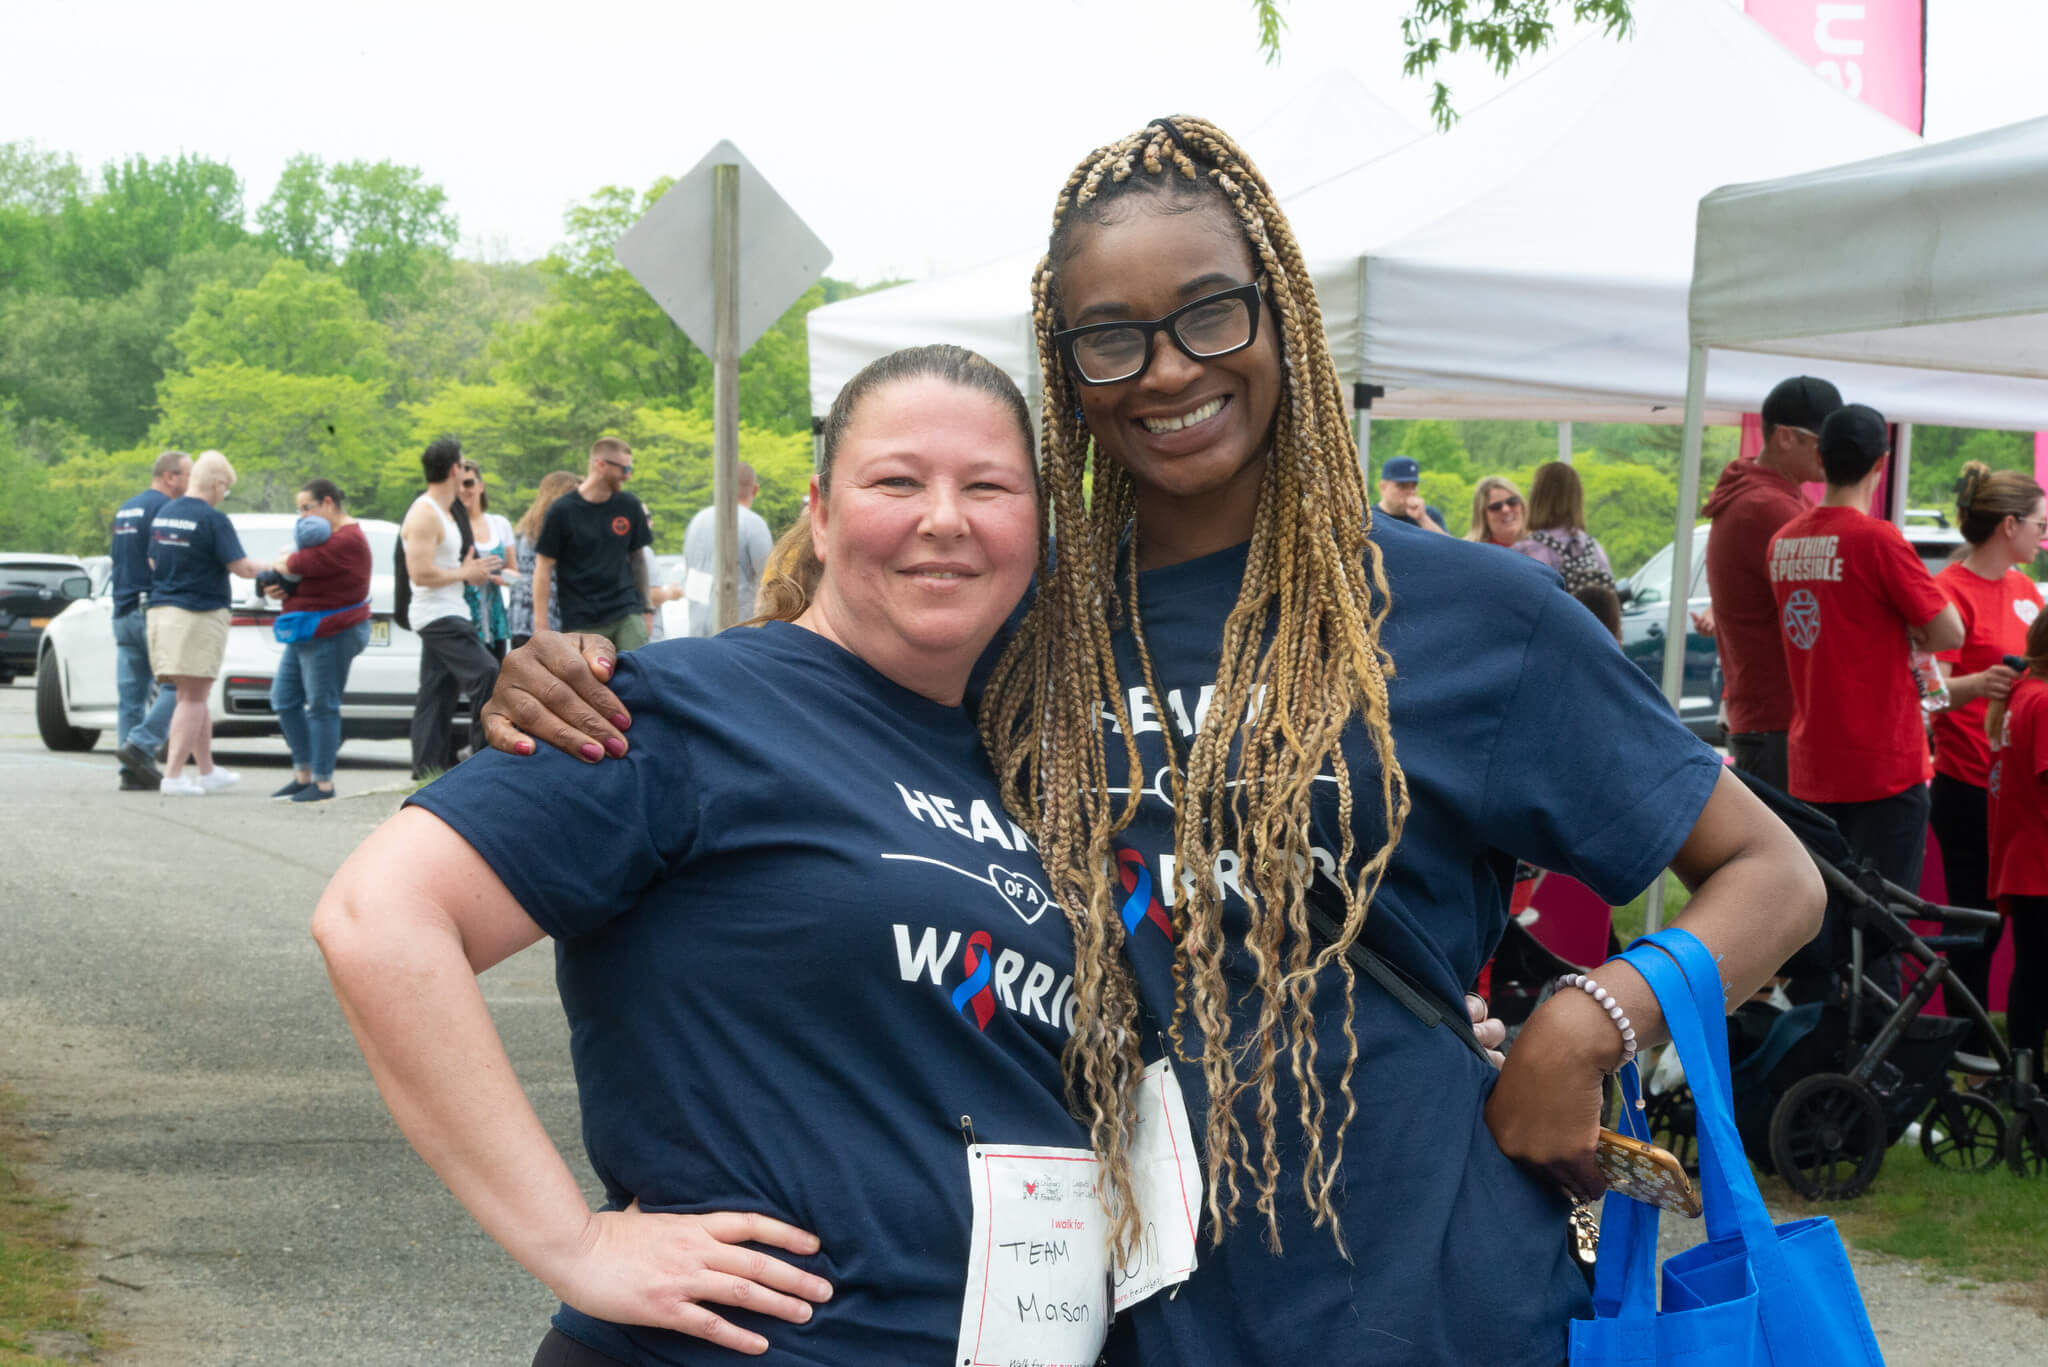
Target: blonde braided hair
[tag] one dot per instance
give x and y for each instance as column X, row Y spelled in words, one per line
column 1315, row 579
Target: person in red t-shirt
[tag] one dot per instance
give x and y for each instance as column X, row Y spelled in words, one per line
column 2001, row 516
column 1751, row 501
column 334, row 581
column 1854, row 602
column 2019, row 840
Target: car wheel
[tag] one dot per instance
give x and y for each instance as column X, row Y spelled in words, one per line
column 58, row 734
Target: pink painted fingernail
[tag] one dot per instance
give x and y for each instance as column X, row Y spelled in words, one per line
column 622, row 721
column 605, row 665
column 614, row 746
column 524, row 747
column 590, row 751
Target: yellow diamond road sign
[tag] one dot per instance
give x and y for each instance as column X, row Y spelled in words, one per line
column 669, row 252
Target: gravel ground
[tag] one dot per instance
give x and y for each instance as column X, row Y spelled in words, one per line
column 245, row 1198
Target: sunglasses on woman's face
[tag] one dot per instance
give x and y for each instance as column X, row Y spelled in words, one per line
column 469, row 484
column 1501, row 505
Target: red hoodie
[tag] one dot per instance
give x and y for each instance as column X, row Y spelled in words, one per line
column 1748, row 506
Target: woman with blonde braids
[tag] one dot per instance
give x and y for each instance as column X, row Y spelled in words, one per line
column 1240, row 709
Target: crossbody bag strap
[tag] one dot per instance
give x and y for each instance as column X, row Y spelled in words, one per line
column 1420, row 1001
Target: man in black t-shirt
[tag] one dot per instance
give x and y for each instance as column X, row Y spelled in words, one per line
column 589, row 550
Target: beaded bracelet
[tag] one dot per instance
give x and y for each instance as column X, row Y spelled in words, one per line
column 1614, row 1012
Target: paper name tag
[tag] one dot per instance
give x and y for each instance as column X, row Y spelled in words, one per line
column 1168, row 1176
column 1039, row 1280
column 1038, row 1262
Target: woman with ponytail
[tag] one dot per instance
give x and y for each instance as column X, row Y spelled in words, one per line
column 2002, row 520
column 2019, row 838
column 1253, row 729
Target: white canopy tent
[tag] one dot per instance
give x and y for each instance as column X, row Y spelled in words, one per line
column 1931, row 264
column 988, row 307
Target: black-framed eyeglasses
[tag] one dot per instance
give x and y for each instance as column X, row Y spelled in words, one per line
column 1501, row 505
column 1212, row 326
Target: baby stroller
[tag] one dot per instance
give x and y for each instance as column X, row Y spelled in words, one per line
column 1824, row 1088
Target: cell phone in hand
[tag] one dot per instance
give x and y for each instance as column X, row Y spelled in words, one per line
column 1646, row 1173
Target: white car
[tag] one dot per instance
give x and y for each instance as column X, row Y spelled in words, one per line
column 76, row 696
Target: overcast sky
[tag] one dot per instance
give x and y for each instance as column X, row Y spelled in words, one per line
column 901, row 131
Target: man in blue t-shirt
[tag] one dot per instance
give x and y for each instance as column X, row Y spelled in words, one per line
column 193, row 550
column 137, row 736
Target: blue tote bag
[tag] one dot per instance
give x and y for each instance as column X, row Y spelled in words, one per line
column 1753, row 1295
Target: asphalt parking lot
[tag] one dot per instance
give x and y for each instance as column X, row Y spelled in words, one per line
column 166, row 1020
column 245, row 1199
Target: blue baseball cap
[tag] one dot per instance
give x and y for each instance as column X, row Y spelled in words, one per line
column 1401, row 470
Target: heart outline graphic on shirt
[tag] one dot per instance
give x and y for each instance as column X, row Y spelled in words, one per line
column 1011, row 886
column 2026, row 611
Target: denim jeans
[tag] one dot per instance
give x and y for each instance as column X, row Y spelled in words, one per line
column 306, row 695
column 137, row 718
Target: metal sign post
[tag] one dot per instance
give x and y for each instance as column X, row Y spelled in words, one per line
column 725, row 391
column 755, row 275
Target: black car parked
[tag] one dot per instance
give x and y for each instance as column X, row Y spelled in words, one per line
column 33, row 589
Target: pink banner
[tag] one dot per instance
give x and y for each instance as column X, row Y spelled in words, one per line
column 1870, row 48
column 2041, row 459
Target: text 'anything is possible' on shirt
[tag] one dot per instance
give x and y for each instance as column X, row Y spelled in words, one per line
column 1848, row 588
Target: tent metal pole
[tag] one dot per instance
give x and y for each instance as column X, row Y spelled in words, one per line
column 1564, row 442
column 1902, row 471
column 1677, row 620
column 1363, row 417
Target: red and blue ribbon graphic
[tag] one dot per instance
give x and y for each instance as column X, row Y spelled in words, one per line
column 975, row 991
column 1139, row 904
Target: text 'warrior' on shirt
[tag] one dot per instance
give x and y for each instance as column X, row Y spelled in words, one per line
column 798, row 940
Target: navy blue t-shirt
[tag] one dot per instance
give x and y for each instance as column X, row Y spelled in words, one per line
column 131, row 548
column 193, row 543
column 1523, row 731
column 797, row 939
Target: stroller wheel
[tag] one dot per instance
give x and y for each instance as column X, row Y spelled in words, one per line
column 2026, row 1147
column 1962, row 1131
column 1828, row 1137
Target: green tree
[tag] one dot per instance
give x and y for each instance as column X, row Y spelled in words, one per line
column 672, row 469
column 1503, row 31
column 281, row 430
column 1630, row 510
column 601, row 343
column 1939, row 454
column 293, row 321
column 444, row 334
column 143, row 215
column 1435, row 447
column 514, row 434
column 34, row 186
column 93, row 363
column 380, row 224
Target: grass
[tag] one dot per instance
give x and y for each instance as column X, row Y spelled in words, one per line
column 41, row 1281
column 1630, row 920
column 1979, row 1228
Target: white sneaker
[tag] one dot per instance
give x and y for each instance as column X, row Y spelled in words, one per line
column 184, row 785
column 216, row 779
